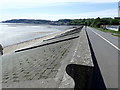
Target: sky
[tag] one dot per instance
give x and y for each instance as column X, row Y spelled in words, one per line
column 57, row 9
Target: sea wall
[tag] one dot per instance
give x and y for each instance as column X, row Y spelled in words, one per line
column 61, row 62
column 80, row 67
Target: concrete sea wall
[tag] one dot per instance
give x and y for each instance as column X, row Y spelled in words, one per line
column 61, row 62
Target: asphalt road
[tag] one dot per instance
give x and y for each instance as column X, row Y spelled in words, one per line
column 106, row 51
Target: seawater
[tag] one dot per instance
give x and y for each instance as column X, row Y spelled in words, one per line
column 11, row 33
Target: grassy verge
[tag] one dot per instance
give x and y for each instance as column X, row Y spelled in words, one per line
column 115, row 33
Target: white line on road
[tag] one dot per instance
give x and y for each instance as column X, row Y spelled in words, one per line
column 106, row 40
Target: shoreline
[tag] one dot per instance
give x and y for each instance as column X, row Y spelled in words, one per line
column 12, row 48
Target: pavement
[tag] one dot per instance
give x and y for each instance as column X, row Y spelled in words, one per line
column 106, row 50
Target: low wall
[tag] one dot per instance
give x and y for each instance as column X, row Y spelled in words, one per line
column 80, row 67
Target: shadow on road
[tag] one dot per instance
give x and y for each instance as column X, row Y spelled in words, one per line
column 98, row 81
column 81, row 75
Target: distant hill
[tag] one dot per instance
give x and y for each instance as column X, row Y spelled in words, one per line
column 32, row 21
column 58, row 22
column 97, row 22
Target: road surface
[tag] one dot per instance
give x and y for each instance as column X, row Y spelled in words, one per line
column 105, row 47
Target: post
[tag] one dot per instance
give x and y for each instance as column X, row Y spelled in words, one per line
column 1, row 50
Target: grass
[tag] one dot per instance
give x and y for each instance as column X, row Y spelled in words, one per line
column 114, row 33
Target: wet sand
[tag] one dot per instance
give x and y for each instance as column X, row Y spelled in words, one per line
column 14, row 47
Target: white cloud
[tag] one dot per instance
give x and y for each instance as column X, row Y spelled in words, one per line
column 32, row 3
column 105, row 13
column 29, row 3
column 49, row 1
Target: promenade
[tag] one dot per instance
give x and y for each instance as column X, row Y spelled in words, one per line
column 43, row 65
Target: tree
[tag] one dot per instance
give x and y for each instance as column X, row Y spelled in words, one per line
column 114, row 22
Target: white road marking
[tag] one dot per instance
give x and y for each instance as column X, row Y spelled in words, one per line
column 106, row 40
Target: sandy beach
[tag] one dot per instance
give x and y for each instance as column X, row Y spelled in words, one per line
column 14, row 47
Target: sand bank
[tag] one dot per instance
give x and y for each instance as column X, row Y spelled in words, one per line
column 14, row 47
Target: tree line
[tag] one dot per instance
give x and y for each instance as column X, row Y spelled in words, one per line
column 94, row 22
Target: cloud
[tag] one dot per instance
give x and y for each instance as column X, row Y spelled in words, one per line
column 49, row 1
column 16, row 4
column 7, row 4
column 28, row 3
column 104, row 13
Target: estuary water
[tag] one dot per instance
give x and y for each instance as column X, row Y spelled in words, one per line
column 11, row 33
